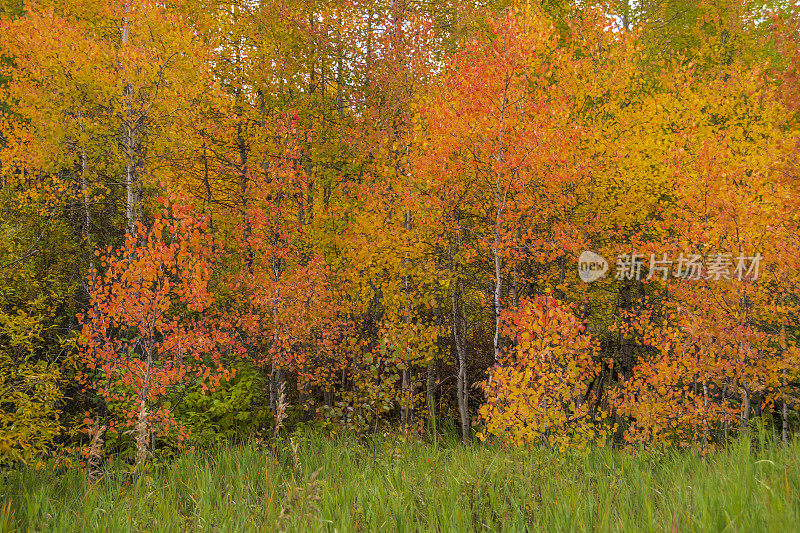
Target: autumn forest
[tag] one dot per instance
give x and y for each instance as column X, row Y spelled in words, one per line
column 554, row 225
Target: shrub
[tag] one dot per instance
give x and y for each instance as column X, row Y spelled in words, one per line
column 541, row 390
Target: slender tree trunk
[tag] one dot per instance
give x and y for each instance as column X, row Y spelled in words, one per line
column 368, row 70
column 515, row 289
column 141, row 435
column 745, row 407
column 131, row 181
column 273, row 395
column 130, row 178
column 430, row 393
column 430, row 384
column 304, row 394
column 498, row 294
column 626, row 342
column 706, row 434
column 276, row 378
column 501, row 192
column 142, row 423
column 87, row 220
column 462, row 391
column 339, row 79
column 785, row 412
column 405, row 408
column 244, row 192
column 407, row 393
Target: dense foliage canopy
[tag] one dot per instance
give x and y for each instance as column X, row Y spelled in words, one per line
column 215, row 214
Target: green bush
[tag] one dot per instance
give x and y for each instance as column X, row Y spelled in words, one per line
column 235, row 410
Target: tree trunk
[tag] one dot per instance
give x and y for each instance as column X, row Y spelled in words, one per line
column 407, row 393
column 339, row 80
column 141, row 423
column 785, row 429
column 785, row 414
column 141, row 435
column 276, row 379
column 498, row 293
column 430, row 385
column 501, row 193
column 626, row 343
column 130, row 178
column 462, row 390
column 405, row 407
column 304, row 393
column 85, row 191
column 745, row 407
column 273, row 392
column 430, row 394
column 515, row 289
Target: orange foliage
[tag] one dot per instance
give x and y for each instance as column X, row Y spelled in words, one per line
column 146, row 332
column 542, row 389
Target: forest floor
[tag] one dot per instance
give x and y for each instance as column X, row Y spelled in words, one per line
column 322, row 483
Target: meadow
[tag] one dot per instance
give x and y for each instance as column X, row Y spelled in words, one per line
column 314, row 482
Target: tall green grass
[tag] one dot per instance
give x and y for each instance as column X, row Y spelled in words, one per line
column 389, row 485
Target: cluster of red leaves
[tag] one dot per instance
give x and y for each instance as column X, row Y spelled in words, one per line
column 147, row 330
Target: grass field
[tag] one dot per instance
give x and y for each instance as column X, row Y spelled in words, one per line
column 337, row 484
